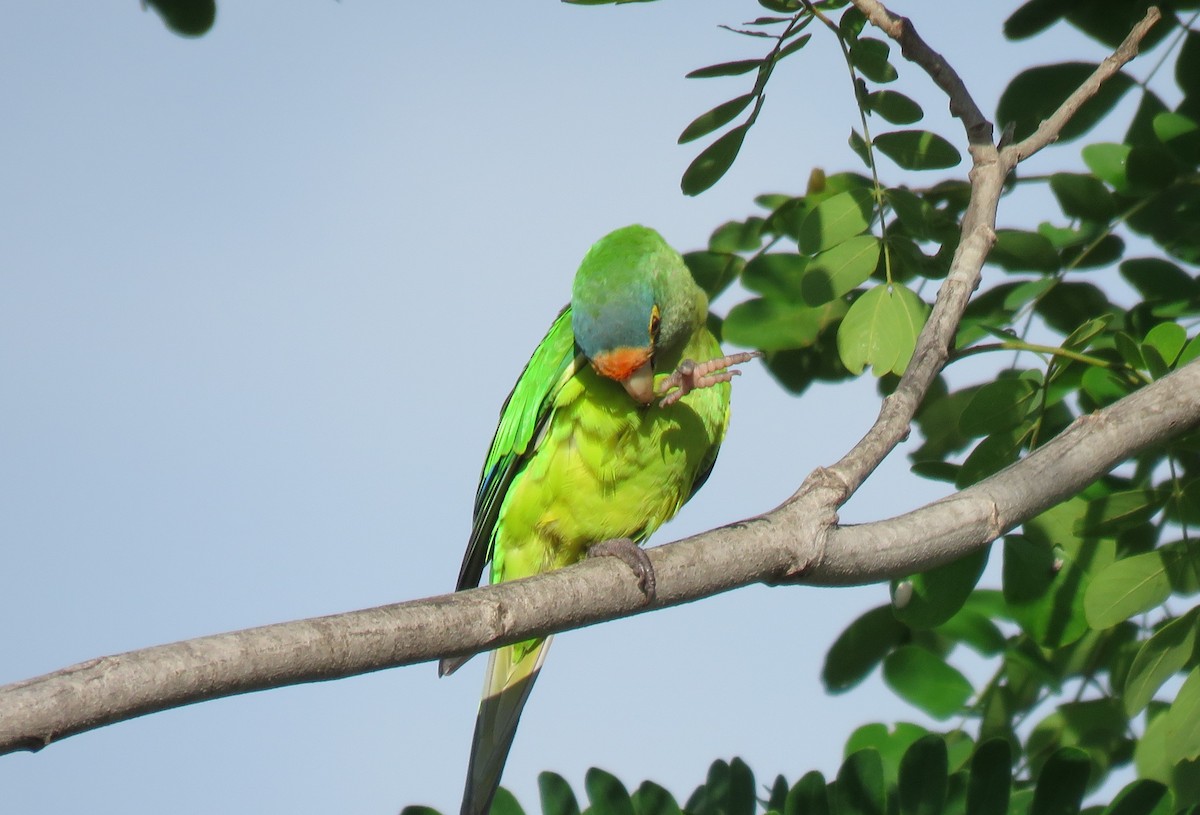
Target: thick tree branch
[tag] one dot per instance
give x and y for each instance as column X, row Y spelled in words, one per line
column 797, row 542
column 39, row 711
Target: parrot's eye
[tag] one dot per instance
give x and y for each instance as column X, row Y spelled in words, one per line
column 655, row 319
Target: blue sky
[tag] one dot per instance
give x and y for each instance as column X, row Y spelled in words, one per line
column 263, row 294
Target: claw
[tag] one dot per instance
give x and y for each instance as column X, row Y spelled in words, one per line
column 632, row 556
column 690, row 376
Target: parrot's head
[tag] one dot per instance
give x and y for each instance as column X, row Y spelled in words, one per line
column 634, row 301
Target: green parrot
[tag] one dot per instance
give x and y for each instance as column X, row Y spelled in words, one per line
column 583, row 461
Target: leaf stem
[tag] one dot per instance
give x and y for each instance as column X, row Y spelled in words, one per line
column 862, row 116
column 1022, row 345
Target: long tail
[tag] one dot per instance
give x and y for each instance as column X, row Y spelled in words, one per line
column 511, row 673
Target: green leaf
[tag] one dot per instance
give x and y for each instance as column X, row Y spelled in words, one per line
column 505, row 803
column 1142, row 797
column 1044, row 591
column 1183, row 721
column 835, row 220
column 998, row 406
column 556, row 795
column 881, row 329
column 775, row 275
column 859, row 786
column 606, row 793
column 651, row 799
column 837, row 271
column 1171, row 218
column 1067, row 305
column 1032, row 18
column 1109, row 514
column 1160, row 657
column 808, row 797
column 990, row 456
column 1158, row 279
column 1150, row 169
column 1168, row 339
column 1109, row 162
column 1082, row 336
column 918, row 150
column 1018, row 250
column 1130, row 350
column 852, row 23
column 926, row 681
column 1190, row 352
column 1187, row 66
column 1141, row 126
column 713, row 162
column 741, row 66
column 859, row 145
column 1036, row 93
column 870, row 57
column 740, row 798
column 938, row 594
column 1104, row 387
column 1150, row 754
column 1125, row 588
column 861, row 647
column 1109, row 21
column 1101, row 253
column 714, row 271
column 895, row 107
column 1083, row 196
column 737, row 236
column 1061, row 783
column 1097, row 725
column 1180, row 134
column 715, row 119
column 890, row 744
column 776, row 325
column 187, row 18
column 923, row 777
column 793, row 46
column 991, row 778
column 913, row 211
column 974, row 630
column 777, row 797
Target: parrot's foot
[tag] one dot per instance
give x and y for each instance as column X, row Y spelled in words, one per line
column 634, row 557
column 690, row 376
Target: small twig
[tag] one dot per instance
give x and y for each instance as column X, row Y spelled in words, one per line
column 1048, row 131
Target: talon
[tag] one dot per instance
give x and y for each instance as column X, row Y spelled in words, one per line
column 632, row 556
column 690, row 376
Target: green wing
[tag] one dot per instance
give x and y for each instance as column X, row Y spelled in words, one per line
column 522, row 418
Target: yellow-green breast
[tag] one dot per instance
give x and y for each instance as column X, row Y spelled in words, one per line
column 607, row 468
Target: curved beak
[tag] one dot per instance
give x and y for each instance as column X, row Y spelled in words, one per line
column 640, row 384
column 633, row 368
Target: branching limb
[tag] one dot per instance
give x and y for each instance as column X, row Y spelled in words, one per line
column 797, row 542
column 39, row 711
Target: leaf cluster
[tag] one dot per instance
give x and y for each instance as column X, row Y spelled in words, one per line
column 1091, row 643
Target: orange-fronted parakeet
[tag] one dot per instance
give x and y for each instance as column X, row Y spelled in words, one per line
column 583, row 455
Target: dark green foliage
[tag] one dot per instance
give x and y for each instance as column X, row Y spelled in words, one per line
column 1038, row 92
column 1091, row 642
column 187, row 18
column 556, row 795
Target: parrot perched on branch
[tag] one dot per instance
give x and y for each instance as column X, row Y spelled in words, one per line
column 583, row 462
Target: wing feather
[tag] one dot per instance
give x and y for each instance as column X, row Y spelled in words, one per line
column 522, row 419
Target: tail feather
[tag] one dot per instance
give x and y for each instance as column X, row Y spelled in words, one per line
column 512, row 670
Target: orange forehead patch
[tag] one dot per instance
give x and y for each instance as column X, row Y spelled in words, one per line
column 620, row 363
